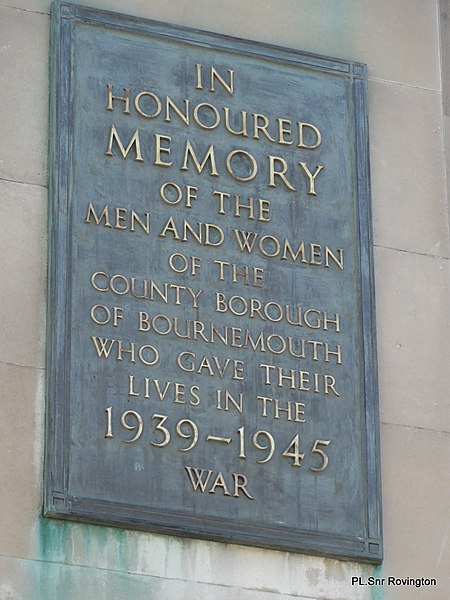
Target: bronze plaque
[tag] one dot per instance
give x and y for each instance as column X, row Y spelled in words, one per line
column 211, row 363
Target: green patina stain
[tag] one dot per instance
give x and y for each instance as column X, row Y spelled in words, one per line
column 377, row 591
column 91, row 562
column 63, row 548
column 79, row 543
column 54, row 577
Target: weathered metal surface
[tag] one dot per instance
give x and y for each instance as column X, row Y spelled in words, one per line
column 183, row 396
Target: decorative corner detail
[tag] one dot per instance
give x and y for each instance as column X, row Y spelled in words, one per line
column 59, row 498
column 373, row 548
column 66, row 10
column 359, row 70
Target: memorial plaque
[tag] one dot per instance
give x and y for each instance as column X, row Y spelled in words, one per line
column 211, row 343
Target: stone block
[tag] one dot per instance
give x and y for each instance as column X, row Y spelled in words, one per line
column 24, row 95
column 416, row 494
column 398, row 40
column 207, row 563
column 413, row 332
column 23, row 254
column 21, row 435
column 408, row 169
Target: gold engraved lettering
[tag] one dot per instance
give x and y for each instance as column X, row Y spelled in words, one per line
column 212, row 109
column 188, row 362
column 299, row 380
column 219, row 482
column 258, row 205
column 184, row 116
column 338, row 260
column 337, row 353
column 228, row 86
column 131, row 391
column 209, row 157
column 240, row 483
column 214, row 75
column 293, row 451
column 154, row 389
column 261, row 123
column 252, row 161
column 160, row 428
column 301, row 142
column 330, row 383
column 243, row 130
column 223, row 402
column 135, row 141
column 284, row 128
column 109, row 433
column 200, row 478
column 238, row 206
column 207, row 234
column 271, row 247
column 294, row 411
column 264, row 206
column 162, row 150
column 311, row 177
column 135, row 218
column 155, row 100
column 244, row 272
column 316, row 450
column 101, row 315
column 277, row 130
column 274, row 162
column 92, row 214
column 147, row 354
column 218, row 438
column 270, row 445
column 125, row 98
column 192, row 434
column 272, row 311
column 162, row 391
column 124, row 218
column 179, row 393
column 94, row 281
column 121, row 215
column 236, row 337
column 131, row 350
column 136, row 425
column 170, row 227
column 144, row 289
column 190, row 193
column 198, row 73
column 294, row 255
column 222, row 196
